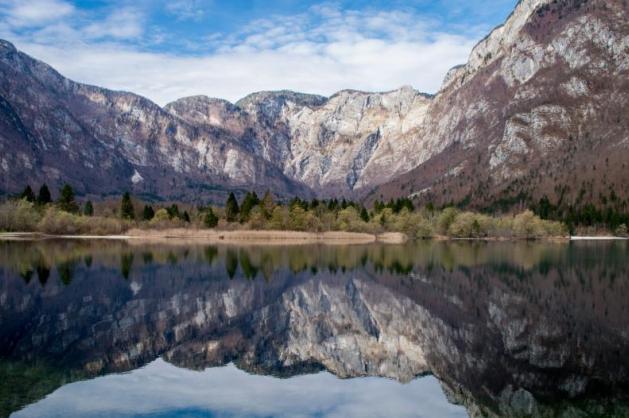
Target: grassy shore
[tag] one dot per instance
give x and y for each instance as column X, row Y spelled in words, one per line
column 284, row 224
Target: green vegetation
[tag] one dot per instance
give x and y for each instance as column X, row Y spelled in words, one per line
column 88, row 208
column 210, row 220
column 148, row 213
column 44, row 197
column 126, row 207
column 66, row 200
column 610, row 216
column 26, row 213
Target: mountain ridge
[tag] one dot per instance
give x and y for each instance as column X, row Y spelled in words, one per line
column 531, row 99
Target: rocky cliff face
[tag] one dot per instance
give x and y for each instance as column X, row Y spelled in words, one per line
column 540, row 108
column 102, row 142
column 332, row 145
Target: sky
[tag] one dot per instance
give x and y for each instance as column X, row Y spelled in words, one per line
column 161, row 390
column 167, row 49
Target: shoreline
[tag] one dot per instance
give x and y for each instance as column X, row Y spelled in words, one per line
column 210, row 236
column 270, row 237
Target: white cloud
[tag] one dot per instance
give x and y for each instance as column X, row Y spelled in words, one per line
column 120, row 24
column 186, row 9
column 322, row 51
column 162, row 388
column 20, row 13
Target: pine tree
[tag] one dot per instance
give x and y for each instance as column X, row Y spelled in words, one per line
column 88, row 208
column 44, row 195
column 267, row 205
column 173, row 211
column 210, row 220
column 148, row 213
column 248, row 203
column 28, row 194
column 231, row 208
column 66, row 200
column 364, row 215
column 126, row 207
column 185, row 216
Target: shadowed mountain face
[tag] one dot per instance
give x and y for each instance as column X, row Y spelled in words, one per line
column 539, row 109
column 509, row 329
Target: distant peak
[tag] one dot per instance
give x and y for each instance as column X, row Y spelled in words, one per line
column 7, row 46
column 201, row 99
column 282, row 95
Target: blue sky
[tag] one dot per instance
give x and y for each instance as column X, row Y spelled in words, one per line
column 161, row 390
column 170, row 49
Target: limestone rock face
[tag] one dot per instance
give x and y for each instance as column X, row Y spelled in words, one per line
column 103, row 142
column 536, row 111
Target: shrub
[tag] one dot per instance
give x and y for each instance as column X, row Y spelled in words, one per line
column 445, row 219
column 257, row 218
column 423, row 229
column 621, row 231
column 279, row 218
column 469, row 225
column 18, row 215
column 349, row 220
column 528, row 225
column 161, row 215
column 59, row 222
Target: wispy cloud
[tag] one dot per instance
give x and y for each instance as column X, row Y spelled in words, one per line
column 322, row 50
column 186, row 9
column 120, row 24
column 20, row 13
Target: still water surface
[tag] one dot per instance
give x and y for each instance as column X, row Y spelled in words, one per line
column 426, row 329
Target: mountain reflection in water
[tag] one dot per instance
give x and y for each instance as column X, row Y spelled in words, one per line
column 508, row 329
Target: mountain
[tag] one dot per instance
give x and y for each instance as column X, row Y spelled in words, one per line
column 539, row 109
column 102, row 142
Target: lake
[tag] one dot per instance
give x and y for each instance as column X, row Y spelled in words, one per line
column 425, row 329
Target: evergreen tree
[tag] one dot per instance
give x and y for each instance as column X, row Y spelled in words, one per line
column 44, row 195
column 267, row 205
column 364, row 215
column 210, row 220
column 126, row 207
column 231, row 208
column 173, row 211
column 148, row 213
column 248, row 203
column 186, row 216
column 88, row 208
column 28, row 194
column 66, row 200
